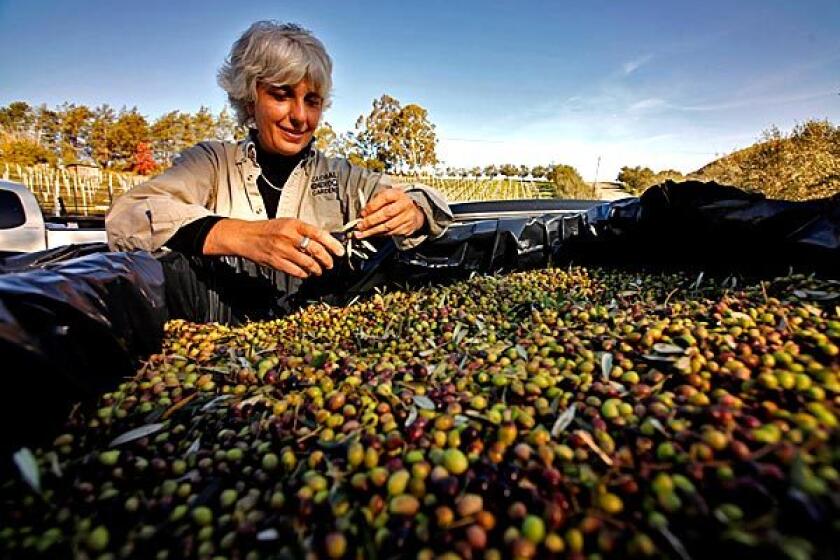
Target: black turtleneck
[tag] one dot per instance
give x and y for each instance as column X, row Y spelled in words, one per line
column 189, row 239
column 276, row 169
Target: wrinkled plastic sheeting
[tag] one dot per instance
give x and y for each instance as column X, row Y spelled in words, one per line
column 234, row 290
column 19, row 262
column 71, row 330
column 714, row 227
column 690, row 225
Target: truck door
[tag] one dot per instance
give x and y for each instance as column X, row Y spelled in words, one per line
column 17, row 233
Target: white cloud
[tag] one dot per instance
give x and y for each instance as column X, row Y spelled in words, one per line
column 632, row 65
column 646, row 104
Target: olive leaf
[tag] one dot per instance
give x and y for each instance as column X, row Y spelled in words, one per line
column 137, row 433
column 697, row 282
column 816, row 295
column 194, row 446
column 657, row 425
column 28, row 467
column 214, row 401
column 683, row 364
column 676, row 544
column 667, row 348
column 606, row 365
column 657, row 358
column 563, row 421
column 270, row 534
column 412, row 416
column 368, row 245
column 424, row 402
column 521, row 351
column 587, row 439
column 55, row 467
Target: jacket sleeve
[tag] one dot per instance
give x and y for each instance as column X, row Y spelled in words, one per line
column 364, row 184
column 148, row 215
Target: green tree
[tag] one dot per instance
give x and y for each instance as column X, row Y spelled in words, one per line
column 539, row 172
column 76, row 122
column 203, row 125
column 129, row 130
column 569, row 184
column 226, row 128
column 165, row 135
column 413, row 139
column 326, row 140
column 18, row 117
column 636, row 178
column 47, row 127
column 98, row 147
column 508, row 169
column 399, row 138
column 372, row 139
column 21, row 150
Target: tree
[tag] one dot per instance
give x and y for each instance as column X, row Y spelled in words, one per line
column 21, row 150
column 636, row 178
column 226, row 127
column 166, row 134
column 130, row 129
column 539, row 172
column 373, row 138
column 98, row 147
column 399, row 138
column 18, row 117
column 508, row 170
column 47, row 127
column 203, row 125
column 413, row 139
column 569, row 184
column 75, row 124
column 143, row 161
column 326, row 140
column 475, row 171
column 491, row 171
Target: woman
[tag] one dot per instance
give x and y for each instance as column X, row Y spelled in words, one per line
column 272, row 198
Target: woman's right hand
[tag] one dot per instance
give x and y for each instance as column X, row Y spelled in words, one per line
column 275, row 243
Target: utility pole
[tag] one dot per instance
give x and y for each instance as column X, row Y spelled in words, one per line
column 595, row 182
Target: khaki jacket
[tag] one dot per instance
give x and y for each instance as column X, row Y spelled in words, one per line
column 220, row 179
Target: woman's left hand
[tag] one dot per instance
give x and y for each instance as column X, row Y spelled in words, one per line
column 390, row 212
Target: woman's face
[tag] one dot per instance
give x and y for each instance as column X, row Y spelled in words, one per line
column 287, row 116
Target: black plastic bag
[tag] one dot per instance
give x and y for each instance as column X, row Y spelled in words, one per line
column 690, row 225
column 70, row 331
column 714, row 227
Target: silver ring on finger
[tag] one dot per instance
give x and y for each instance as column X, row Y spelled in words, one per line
column 303, row 243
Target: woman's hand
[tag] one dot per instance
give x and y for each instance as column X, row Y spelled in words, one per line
column 276, row 243
column 390, row 212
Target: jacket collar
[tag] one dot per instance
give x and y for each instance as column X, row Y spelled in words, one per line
column 246, row 150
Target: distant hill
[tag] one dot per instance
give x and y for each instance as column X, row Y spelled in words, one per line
column 802, row 165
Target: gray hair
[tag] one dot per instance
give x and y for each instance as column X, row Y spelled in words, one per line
column 274, row 53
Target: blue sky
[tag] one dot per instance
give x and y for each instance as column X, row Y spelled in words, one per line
column 657, row 83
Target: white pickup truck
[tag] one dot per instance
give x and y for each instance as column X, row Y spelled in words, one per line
column 23, row 227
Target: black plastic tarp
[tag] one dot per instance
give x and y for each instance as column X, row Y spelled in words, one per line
column 71, row 329
column 714, row 227
column 702, row 226
column 74, row 320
